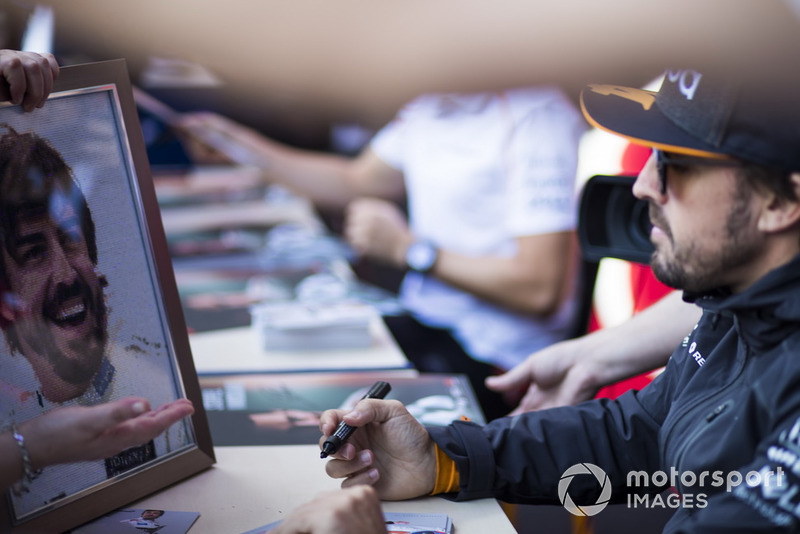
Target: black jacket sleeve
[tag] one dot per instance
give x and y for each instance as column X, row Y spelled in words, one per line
column 521, row 459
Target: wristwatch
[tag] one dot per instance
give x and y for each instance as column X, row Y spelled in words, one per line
column 421, row 255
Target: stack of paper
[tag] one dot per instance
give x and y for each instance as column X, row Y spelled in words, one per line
column 310, row 326
column 400, row 522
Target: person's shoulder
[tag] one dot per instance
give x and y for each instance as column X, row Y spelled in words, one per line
column 423, row 104
column 539, row 95
column 546, row 98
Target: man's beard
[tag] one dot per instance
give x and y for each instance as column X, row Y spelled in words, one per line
column 695, row 270
column 91, row 348
column 81, row 371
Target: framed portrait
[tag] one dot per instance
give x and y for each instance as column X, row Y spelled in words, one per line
column 89, row 310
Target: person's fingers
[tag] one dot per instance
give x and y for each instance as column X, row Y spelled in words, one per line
column 359, row 470
column 147, row 426
column 346, row 451
column 14, row 81
column 55, row 70
column 350, row 224
column 48, row 79
column 341, row 467
column 355, row 509
column 516, row 377
column 535, row 398
column 28, row 79
column 365, row 412
column 364, row 494
column 374, row 411
column 119, row 411
column 194, row 125
column 170, row 412
column 566, row 393
column 177, row 404
column 328, row 422
column 525, row 405
column 41, row 70
column 367, row 478
column 354, row 214
column 34, row 86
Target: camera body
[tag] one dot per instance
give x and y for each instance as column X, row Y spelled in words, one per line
column 612, row 223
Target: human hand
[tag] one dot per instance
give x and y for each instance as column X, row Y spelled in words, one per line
column 82, row 433
column 553, row 376
column 26, row 78
column 355, row 509
column 213, row 138
column 378, row 229
column 390, row 450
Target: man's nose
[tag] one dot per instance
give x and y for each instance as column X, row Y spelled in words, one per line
column 648, row 184
column 62, row 270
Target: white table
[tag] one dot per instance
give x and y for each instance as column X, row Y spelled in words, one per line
column 237, row 350
column 253, row 486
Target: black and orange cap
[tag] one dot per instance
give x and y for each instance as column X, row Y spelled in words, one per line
column 704, row 114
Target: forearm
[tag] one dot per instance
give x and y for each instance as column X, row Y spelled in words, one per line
column 326, row 180
column 642, row 343
column 534, row 281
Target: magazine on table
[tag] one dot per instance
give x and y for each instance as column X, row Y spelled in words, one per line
column 284, row 408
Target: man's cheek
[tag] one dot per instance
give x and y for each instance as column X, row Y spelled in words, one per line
column 17, row 307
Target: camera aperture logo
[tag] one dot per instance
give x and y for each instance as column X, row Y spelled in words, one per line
column 584, row 469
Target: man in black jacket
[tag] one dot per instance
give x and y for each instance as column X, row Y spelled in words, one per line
column 721, row 424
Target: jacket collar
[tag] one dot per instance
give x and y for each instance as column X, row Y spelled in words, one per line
column 767, row 312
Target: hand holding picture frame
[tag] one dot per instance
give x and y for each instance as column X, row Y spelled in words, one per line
column 89, row 310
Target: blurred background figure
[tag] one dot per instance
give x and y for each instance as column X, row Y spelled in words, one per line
column 488, row 244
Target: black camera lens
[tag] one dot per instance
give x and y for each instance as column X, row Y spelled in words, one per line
column 612, row 222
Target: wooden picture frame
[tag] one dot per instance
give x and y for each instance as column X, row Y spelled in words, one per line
column 140, row 341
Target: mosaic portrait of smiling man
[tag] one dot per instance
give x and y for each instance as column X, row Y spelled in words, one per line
column 52, row 312
column 80, row 314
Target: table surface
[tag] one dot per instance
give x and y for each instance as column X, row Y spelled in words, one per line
column 237, row 350
column 253, row 486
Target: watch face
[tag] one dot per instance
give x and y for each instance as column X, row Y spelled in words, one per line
column 421, row 256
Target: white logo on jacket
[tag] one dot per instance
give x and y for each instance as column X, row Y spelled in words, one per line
column 694, row 353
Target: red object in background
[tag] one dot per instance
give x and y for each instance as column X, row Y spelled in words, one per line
column 633, row 159
column 645, row 288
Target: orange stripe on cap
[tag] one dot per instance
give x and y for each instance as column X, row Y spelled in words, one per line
column 646, row 99
column 642, row 96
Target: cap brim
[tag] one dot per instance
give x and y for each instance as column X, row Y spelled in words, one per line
column 633, row 114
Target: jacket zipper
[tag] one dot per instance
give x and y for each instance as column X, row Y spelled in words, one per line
column 699, row 407
column 686, row 445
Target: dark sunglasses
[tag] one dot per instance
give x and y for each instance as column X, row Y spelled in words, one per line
column 663, row 160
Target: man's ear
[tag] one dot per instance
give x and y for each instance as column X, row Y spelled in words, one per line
column 780, row 213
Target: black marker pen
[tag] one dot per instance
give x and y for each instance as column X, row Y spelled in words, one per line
column 379, row 390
